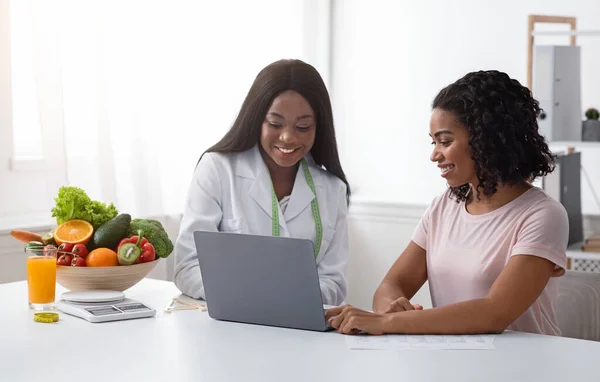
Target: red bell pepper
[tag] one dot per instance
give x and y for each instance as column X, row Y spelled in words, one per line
column 148, row 251
column 132, row 240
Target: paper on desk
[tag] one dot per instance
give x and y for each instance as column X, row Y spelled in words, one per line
column 408, row 342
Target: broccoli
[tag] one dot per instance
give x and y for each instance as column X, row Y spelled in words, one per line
column 155, row 233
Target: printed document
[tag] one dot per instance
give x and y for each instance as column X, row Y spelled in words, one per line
column 407, row 342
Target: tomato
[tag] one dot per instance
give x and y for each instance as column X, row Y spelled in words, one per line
column 78, row 261
column 48, row 249
column 64, row 247
column 64, row 259
column 80, row 250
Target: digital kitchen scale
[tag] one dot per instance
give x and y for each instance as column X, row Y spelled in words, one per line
column 102, row 306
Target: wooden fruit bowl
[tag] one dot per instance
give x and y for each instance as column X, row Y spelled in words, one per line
column 118, row 278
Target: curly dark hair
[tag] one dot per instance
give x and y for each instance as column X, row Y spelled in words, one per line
column 501, row 117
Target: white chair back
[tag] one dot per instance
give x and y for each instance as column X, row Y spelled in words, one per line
column 578, row 305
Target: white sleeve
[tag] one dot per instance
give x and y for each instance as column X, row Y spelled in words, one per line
column 333, row 265
column 202, row 212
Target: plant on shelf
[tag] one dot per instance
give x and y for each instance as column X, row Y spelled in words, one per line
column 592, row 113
column 590, row 130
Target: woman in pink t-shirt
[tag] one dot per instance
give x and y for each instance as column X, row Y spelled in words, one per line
column 492, row 244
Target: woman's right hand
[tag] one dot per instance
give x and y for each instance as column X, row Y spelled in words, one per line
column 401, row 304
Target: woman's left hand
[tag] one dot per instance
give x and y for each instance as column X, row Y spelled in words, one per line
column 350, row 320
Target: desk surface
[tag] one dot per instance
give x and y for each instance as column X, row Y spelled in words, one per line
column 190, row 346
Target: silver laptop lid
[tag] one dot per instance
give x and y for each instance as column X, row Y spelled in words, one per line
column 261, row 280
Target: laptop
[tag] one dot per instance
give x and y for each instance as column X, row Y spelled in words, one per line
column 261, row 280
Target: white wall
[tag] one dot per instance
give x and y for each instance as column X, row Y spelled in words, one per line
column 379, row 232
column 390, row 58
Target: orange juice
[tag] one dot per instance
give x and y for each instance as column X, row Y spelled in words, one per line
column 41, row 279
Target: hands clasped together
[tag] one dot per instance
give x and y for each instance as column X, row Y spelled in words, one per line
column 348, row 319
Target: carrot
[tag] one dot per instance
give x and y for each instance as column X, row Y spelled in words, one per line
column 25, row 236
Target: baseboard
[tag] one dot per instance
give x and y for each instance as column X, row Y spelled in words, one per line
column 385, row 211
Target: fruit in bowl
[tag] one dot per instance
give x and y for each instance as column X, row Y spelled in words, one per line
column 103, row 268
column 98, row 248
column 118, row 278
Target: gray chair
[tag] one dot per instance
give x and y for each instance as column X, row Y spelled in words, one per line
column 578, row 305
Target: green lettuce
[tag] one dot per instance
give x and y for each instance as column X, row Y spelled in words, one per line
column 73, row 203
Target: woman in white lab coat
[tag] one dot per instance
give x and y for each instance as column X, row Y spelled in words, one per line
column 277, row 165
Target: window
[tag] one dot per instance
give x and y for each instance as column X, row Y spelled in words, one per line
column 120, row 98
column 27, row 136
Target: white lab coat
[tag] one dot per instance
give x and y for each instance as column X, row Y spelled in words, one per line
column 232, row 193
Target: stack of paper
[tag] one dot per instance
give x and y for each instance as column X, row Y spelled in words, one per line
column 402, row 342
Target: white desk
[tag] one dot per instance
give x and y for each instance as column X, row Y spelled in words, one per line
column 190, row 346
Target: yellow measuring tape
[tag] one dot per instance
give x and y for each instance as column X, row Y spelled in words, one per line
column 314, row 206
column 45, row 317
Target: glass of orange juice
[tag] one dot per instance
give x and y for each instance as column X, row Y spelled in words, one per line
column 41, row 276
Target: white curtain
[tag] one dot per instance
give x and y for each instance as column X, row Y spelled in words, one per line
column 144, row 87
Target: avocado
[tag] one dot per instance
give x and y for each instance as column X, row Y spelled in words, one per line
column 48, row 238
column 129, row 253
column 91, row 245
column 110, row 233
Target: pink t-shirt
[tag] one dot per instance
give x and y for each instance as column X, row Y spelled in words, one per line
column 466, row 253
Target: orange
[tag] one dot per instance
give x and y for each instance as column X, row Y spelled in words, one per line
column 102, row 257
column 73, row 232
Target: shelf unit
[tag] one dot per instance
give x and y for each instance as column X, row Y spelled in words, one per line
column 531, row 33
column 579, row 260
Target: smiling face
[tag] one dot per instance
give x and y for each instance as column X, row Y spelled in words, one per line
column 288, row 131
column 451, row 149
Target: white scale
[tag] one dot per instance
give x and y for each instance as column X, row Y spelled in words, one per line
column 102, row 306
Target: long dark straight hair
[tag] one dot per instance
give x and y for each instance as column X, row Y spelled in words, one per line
column 273, row 80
